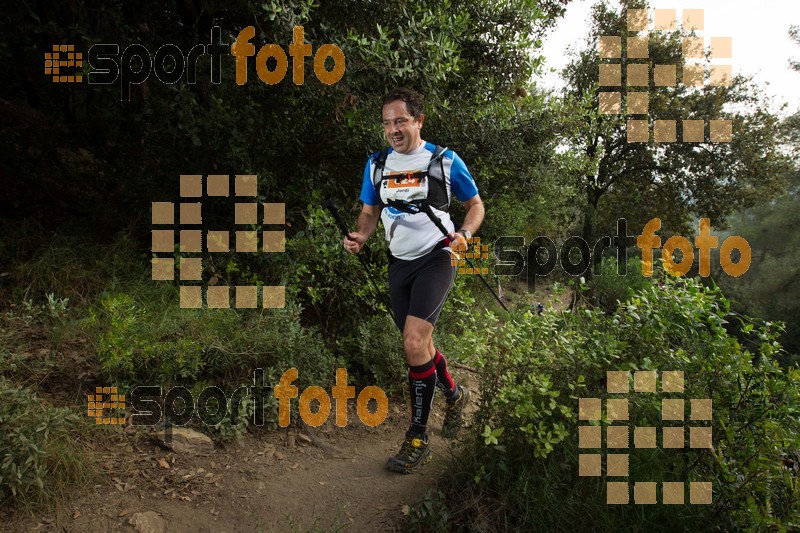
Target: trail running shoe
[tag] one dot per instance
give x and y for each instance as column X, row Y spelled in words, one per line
column 454, row 417
column 413, row 453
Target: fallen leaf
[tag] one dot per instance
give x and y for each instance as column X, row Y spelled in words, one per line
column 406, row 510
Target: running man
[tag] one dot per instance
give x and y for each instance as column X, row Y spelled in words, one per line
column 420, row 270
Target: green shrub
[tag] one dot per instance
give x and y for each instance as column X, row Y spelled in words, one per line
column 76, row 268
column 523, row 453
column 167, row 343
column 346, row 303
column 379, row 355
column 38, row 454
column 430, row 514
column 133, row 342
column 611, row 288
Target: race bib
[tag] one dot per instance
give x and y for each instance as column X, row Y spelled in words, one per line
column 404, row 186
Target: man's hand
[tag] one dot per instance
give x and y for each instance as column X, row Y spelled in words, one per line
column 354, row 241
column 458, row 243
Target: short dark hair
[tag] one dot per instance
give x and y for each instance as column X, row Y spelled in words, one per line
column 412, row 98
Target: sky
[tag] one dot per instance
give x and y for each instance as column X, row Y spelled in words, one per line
column 760, row 31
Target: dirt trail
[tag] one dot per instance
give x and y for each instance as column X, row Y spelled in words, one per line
column 262, row 484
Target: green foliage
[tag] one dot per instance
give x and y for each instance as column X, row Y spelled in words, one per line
column 38, row 455
column 430, row 514
column 132, row 341
column 379, row 353
column 673, row 181
column 147, row 342
column 348, row 303
column 511, row 147
column 612, row 288
column 771, row 286
column 297, row 139
column 535, row 368
column 72, row 267
column 327, row 281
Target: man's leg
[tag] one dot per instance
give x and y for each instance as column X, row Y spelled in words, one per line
column 444, row 381
column 417, row 341
column 457, row 396
column 428, row 294
column 422, row 383
column 420, row 287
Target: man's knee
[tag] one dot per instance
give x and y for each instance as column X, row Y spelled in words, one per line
column 417, row 339
column 414, row 341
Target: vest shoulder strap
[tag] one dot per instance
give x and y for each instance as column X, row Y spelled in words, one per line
column 438, row 153
column 380, row 164
column 438, row 193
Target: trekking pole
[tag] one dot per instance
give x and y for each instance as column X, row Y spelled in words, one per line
column 426, row 208
column 331, row 206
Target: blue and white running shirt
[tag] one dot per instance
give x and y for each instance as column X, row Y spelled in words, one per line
column 413, row 235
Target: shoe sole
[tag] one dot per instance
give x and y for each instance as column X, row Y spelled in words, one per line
column 466, row 399
column 395, row 466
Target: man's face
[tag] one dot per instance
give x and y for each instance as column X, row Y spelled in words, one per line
column 401, row 129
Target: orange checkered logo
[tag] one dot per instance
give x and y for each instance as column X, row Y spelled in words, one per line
column 618, row 437
column 462, row 258
column 192, row 241
column 61, row 58
column 105, row 399
column 625, row 89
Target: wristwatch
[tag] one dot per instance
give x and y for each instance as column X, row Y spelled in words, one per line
column 466, row 233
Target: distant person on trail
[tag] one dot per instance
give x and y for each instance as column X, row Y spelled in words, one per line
column 412, row 171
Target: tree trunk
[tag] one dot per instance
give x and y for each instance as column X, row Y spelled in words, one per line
column 593, row 196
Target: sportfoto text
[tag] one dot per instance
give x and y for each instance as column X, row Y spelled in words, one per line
column 211, row 405
column 135, row 64
column 510, row 260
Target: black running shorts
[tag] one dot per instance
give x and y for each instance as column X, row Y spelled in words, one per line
column 419, row 287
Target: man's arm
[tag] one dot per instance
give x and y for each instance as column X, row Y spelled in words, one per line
column 367, row 222
column 475, row 212
column 472, row 221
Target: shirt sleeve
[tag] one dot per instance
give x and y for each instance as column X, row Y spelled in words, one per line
column 461, row 181
column 368, row 194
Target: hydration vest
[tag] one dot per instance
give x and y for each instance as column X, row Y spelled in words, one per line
column 410, row 187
